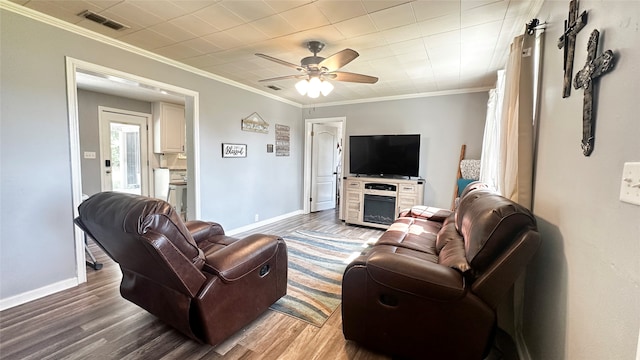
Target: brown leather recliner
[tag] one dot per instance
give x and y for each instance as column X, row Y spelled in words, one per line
column 190, row 275
column 430, row 286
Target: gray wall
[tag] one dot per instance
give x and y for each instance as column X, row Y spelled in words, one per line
column 88, row 102
column 583, row 294
column 444, row 122
column 37, row 211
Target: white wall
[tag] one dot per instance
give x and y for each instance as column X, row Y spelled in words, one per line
column 583, row 288
column 36, row 242
column 444, row 122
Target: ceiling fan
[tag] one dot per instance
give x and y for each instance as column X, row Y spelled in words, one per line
column 315, row 70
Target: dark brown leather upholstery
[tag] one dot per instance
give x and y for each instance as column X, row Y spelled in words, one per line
column 430, row 287
column 190, row 275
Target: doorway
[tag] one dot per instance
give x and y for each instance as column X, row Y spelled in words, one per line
column 323, row 163
column 124, row 151
column 118, row 78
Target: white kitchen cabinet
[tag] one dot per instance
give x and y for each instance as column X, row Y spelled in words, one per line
column 168, row 128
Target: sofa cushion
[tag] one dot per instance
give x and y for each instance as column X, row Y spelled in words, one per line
column 412, row 233
column 447, row 232
column 450, row 246
column 453, row 255
column 489, row 223
column 476, row 185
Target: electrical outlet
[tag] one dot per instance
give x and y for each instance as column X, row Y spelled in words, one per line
column 630, row 186
column 257, row 218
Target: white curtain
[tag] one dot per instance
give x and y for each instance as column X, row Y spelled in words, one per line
column 489, row 166
column 508, row 179
column 507, row 151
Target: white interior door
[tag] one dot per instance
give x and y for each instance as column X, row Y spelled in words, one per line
column 324, row 143
column 124, row 151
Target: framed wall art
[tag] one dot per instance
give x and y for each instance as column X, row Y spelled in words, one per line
column 234, row 150
column 255, row 123
column 282, row 140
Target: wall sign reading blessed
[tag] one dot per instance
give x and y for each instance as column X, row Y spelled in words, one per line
column 234, row 150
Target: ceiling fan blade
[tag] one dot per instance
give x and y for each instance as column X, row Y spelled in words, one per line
column 351, row 77
column 283, row 78
column 281, row 62
column 338, row 60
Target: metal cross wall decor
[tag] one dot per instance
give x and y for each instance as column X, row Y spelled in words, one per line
column 572, row 26
column 587, row 79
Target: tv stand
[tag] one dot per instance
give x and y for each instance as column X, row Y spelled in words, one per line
column 376, row 202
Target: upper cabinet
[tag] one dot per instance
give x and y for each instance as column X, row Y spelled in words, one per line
column 168, row 128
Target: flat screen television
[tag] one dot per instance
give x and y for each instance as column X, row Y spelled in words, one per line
column 384, row 155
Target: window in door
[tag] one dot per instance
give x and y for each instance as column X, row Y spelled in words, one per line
column 124, row 152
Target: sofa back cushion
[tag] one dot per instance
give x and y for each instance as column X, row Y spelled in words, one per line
column 447, row 232
column 489, row 223
column 475, row 185
column 450, row 246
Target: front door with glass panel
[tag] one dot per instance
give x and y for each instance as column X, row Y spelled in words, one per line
column 123, row 150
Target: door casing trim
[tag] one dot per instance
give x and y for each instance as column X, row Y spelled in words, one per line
column 308, row 127
column 192, row 112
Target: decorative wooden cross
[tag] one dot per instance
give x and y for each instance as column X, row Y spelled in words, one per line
column 572, row 26
column 587, row 79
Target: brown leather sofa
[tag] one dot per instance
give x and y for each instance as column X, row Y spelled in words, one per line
column 190, row 275
column 430, row 286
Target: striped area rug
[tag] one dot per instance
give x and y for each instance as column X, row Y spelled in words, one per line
column 316, row 263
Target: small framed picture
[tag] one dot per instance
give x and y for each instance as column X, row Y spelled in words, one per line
column 234, row 150
column 269, row 148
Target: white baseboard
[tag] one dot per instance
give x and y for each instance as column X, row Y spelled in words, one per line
column 262, row 223
column 31, row 295
column 69, row 283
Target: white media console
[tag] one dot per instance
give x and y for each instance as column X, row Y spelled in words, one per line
column 376, row 202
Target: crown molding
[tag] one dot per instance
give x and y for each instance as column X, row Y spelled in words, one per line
column 49, row 20
column 400, row 97
column 44, row 18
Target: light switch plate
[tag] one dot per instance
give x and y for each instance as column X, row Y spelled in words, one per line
column 630, row 185
column 89, row 154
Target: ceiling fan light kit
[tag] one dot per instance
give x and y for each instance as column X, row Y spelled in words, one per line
column 314, row 87
column 315, row 71
column 326, row 87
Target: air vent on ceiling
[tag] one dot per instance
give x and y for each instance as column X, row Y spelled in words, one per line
column 273, row 87
column 89, row 15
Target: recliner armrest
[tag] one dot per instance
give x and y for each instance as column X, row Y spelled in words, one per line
column 201, row 230
column 242, row 257
column 416, row 276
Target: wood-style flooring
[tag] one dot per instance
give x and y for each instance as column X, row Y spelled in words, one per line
column 92, row 321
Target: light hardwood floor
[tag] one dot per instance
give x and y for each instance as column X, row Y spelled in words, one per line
column 92, row 321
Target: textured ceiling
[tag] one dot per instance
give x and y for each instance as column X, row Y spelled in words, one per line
column 413, row 47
